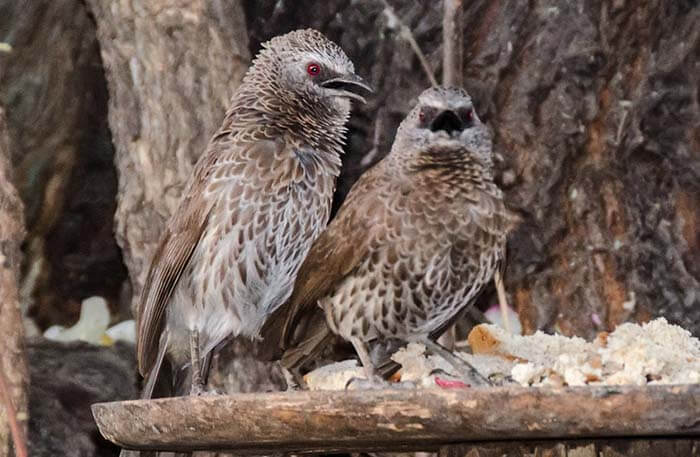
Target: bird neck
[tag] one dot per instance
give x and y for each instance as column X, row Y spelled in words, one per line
column 306, row 120
column 450, row 166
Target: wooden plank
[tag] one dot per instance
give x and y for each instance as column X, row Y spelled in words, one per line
column 417, row 419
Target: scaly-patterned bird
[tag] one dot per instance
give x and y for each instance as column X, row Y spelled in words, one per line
column 258, row 197
column 416, row 241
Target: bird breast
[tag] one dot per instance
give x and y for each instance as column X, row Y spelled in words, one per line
column 436, row 263
column 257, row 235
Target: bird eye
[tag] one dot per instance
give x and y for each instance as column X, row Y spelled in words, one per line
column 467, row 115
column 313, row 69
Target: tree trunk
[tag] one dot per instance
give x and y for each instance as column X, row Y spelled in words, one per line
column 53, row 88
column 13, row 364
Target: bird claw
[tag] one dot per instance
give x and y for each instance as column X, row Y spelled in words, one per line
column 200, row 391
column 375, row 382
column 293, row 388
column 465, row 378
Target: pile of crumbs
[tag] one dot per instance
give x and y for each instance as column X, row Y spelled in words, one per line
column 652, row 353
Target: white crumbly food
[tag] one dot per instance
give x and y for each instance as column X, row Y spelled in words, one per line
column 334, row 376
column 652, row 353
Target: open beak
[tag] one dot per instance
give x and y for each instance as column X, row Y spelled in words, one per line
column 447, row 121
column 343, row 86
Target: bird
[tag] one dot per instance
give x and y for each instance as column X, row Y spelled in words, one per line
column 257, row 198
column 418, row 238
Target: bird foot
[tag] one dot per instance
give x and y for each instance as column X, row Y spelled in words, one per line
column 374, row 382
column 293, row 387
column 468, row 377
column 293, row 383
column 198, row 390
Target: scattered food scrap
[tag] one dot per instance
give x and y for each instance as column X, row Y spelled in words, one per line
column 652, row 353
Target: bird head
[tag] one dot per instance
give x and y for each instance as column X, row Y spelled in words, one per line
column 443, row 116
column 308, row 68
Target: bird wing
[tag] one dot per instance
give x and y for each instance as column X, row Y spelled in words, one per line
column 173, row 253
column 334, row 255
column 223, row 161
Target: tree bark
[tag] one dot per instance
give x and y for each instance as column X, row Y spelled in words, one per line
column 53, row 88
column 13, row 363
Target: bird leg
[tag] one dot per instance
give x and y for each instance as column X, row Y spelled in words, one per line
column 459, row 364
column 502, row 300
column 292, row 378
column 372, row 381
column 197, row 387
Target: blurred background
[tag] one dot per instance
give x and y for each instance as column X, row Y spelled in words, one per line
column 594, row 106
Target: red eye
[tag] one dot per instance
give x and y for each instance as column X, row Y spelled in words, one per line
column 467, row 115
column 313, row 69
column 421, row 116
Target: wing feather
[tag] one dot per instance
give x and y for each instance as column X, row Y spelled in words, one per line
column 185, row 229
column 169, row 261
column 336, row 253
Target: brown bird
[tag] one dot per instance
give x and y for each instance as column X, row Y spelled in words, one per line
column 258, row 197
column 414, row 244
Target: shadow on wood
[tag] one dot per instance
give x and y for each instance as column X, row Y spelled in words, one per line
column 393, row 420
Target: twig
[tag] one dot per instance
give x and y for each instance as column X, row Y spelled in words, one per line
column 15, row 428
column 406, row 34
column 371, row 156
column 452, row 43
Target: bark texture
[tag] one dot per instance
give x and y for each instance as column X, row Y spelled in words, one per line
column 595, row 112
column 13, row 363
column 52, row 85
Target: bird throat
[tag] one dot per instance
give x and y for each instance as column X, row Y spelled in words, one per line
column 306, row 120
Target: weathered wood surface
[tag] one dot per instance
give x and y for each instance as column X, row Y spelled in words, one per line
column 397, row 419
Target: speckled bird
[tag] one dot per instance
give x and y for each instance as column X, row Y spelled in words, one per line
column 258, row 197
column 419, row 236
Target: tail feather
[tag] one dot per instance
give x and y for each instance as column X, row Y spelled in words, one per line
column 308, row 349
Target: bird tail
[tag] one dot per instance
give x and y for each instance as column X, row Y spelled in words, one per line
column 308, row 349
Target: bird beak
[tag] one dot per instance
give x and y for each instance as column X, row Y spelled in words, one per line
column 448, row 121
column 342, row 86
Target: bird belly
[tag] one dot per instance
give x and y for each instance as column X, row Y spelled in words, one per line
column 242, row 272
column 183, row 315
column 409, row 299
